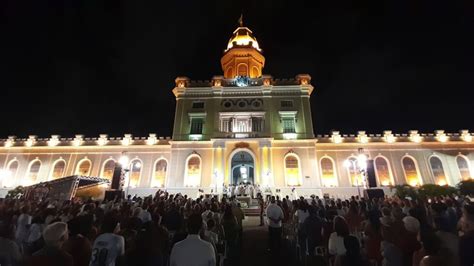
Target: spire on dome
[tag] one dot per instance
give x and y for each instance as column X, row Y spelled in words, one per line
column 241, row 20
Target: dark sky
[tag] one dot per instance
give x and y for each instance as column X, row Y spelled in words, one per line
column 95, row 67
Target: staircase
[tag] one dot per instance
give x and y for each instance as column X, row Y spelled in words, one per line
column 253, row 209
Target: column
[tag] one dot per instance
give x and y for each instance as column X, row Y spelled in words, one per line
column 266, row 176
column 218, row 167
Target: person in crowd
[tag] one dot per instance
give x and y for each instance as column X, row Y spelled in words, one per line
column 23, row 227
column 275, row 217
column 353, row 218
column 409, row 242
column 430, row 252
column 449, row 241
column 311, row 228
column 193, row 250
column 373, row 234
column 336, row 239
column 300, row 215
column 77, row 245
column 52, row 254
column 261, row 205
column 147, row 250
column 9, row 250
column 353, row 255
column 35, row 241
column 466, row 241
column 240, row 216
column 108, row 247
column 391, row 253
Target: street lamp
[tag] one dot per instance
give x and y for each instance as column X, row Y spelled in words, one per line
column 359, row 166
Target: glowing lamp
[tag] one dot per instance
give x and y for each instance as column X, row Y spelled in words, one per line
column 102, row 141
column 442, row 182
column 127, row 140
column 195, row 137
column 152, row 140
column 385, row 183
column 137, row 165
column 441, row 136
column 289, row 136
column 78, row 140
column 389, row 137
column 415, row 136
column 124, row 160
column 362, row 137
column 53, row 141
column 413, row 183
column 336, row 137
column 362, row 161
column 9, row 142
column 466, row 136
column 30, row 141
column 347, row 163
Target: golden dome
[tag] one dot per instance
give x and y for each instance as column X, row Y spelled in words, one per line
column 242, row 37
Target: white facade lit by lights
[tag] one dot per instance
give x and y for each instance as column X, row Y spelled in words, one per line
column 244, row 126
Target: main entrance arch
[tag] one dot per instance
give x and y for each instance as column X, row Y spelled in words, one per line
column 242, row 167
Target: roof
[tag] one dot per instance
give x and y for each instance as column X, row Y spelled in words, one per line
column 84, row 181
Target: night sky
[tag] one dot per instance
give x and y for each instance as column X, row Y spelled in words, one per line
column 91, row 67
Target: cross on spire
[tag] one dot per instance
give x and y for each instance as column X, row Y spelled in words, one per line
column 241, row 20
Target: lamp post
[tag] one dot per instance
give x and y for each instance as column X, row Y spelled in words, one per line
column 360, row 166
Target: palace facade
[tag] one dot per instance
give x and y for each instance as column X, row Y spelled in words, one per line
column 244, row 126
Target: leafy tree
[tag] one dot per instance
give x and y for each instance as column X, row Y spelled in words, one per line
column 466, row 187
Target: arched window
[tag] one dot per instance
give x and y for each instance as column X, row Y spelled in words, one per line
column 58, row 169
column 412, row 175
column 10, row 174
column 464, row 167
column 292, row 170
column 33, row 172
column 192, row 177
column 383, row 172
column 355, row 177
column 328, row 172
column 134, row 174
column 242, row 70
column 108, row 169
column 159, row 173
column 438, row 171
column 255, row 72
column 84, row 167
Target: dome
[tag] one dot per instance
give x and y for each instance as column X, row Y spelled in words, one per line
column 243, row 37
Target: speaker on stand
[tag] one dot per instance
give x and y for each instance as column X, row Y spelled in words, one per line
column 371, row 178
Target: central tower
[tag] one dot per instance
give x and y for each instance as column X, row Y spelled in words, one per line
column 243, row 56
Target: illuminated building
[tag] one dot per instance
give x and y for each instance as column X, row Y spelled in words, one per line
column 243, row 126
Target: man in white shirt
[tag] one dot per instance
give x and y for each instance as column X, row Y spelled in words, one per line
column 193, row 251
column 108, row 246
column 275, row 217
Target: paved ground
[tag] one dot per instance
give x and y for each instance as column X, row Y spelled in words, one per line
column 254, row 246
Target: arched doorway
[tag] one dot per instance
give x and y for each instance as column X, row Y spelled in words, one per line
column 242, row 168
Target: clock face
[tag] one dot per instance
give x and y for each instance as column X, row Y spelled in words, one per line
column 242, row 81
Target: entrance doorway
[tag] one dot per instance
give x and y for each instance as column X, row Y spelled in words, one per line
column 242, row 168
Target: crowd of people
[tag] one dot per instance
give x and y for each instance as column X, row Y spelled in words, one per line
column 176, row 230
column 161, row 230
column 382, row 231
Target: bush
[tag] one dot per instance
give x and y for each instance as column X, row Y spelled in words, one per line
column 403, row 191
column 432, row 190
column 466, row 187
